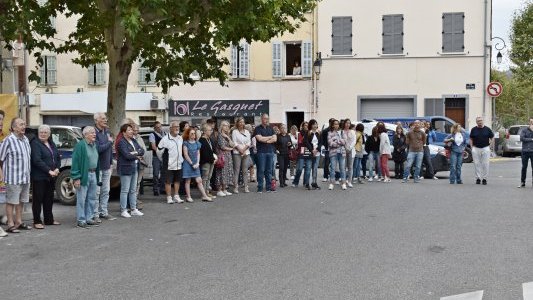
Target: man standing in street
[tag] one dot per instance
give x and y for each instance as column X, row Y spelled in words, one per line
column 172, row 159
column 154, row 138
column 104, row 145
column 85, row 174
column 265, row 140
column 480, row 140
column 15, row 158
column 430, row 138
column 526, row 137
column 415, row 141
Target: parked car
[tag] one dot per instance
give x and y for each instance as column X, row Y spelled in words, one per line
column 66, row 138
column 441, row 124
column 512, row 146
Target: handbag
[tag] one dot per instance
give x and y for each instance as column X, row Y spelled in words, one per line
column 293, row 154
column 220, row 161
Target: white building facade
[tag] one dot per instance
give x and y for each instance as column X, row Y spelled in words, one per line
column 404, row 59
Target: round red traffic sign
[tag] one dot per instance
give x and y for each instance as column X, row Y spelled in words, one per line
column 494, row 89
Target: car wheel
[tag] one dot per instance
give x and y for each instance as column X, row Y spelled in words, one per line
column 65, row 190
column 506, row 154
column 467, row 156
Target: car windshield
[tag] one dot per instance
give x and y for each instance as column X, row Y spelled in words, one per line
column 65, row 138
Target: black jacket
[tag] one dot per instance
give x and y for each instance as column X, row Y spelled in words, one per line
column 400, row 148
column 372, row 145
column 282, row 144
column 42, row 160
column 206, row 151
column 324, row 138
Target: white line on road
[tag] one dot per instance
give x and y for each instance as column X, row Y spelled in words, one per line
column 468, row 296
column 528, row 290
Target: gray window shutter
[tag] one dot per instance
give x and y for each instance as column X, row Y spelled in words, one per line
column 244, row 60
column 307, row 58
column 434, row 107
column 392, row 34
column 453, row 32
column 50, row 76
column 397, row 34
column 341, row 36
column 234, row 62
column 276, row 59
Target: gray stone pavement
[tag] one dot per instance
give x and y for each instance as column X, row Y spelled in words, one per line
column 376, row 241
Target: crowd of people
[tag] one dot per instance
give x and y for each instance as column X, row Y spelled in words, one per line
column 221, row 161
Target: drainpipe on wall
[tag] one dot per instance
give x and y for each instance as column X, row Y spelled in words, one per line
column 485, row 45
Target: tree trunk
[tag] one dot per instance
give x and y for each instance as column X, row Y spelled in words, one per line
column 116, row 94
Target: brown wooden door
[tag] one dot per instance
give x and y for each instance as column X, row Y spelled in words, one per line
column 455, row 109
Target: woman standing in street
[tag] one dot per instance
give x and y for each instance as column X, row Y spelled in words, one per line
column 224, row 175
column 242, row 140
column 458, row 141
column 207, row 158
column 283, row 144
column 129, row 154
column 45, row 164
column 359, row 152
column 400, row 154
column 314, row 140
column 294, row 140
column 348, row 135
column 372, row 148
column 337, row 154
column 191, row 163
column 384, row 152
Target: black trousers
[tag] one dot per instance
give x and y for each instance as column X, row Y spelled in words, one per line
column 526, row 156
column 427, row 162
column 43, row 196
column 398, row 169
column 283, row 162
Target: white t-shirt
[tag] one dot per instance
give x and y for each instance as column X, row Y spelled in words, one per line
column 241, row 140
column 458, row 138
column 175, row 150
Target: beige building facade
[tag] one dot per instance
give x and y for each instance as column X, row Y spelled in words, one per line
column 404, row 59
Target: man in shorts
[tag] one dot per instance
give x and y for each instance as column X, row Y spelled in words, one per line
column 15, row 159
column 170, row 149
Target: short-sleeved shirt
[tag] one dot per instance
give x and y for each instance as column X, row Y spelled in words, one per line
column 15, row 153
column 265, row 132
column 481, row 136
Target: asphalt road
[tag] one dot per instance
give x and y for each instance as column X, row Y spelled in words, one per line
column 377, row 241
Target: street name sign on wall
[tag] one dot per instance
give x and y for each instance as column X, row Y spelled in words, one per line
column 494, row 89
column 217, row 108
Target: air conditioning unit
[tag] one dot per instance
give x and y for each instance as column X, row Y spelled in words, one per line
column 154, row 104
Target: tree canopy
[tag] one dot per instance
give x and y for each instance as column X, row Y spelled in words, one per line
column 522, row 43
column 174, row 37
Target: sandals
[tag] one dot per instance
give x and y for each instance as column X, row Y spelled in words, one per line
column 38, row 226
column 53, row 223
column 12, row 229
column 23, row 226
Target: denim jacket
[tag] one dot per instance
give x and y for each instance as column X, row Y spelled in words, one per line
column 458, row 148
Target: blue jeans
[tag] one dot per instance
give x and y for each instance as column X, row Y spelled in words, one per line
column 264, row 170
column 86, row 199
column 456, row 162
column 157, row 181
column 128, row 187
column 357, row 167
column 102, row 194
column 316, row 162
column 302, row 163
column 339, row 160
column 373, row 158
column 411, row 158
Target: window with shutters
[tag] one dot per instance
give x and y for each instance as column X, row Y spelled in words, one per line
column 341, row 36
column 96, row 74
column 453, row 32
column 48, row 71
column 292, row 59
column 240, row 60
column 392, row 34
column 145, row 76
column 147, row 121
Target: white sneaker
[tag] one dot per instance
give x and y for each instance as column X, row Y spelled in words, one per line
column 370, row 179
column 221, row 194
column 376, row 177
column 323, row 179
column 292, row 177
column 125, row 214
column 435, row 178
column 246, row 190
column 343, row 186
column 330, row 186
column 177, row 199
column 387, row 180
column 136, row 212
column 235, row 191
column 169, row 200
column 337, row 182
column 2, row 232
column 227, row 193
column 350, row 185
column 190, row 200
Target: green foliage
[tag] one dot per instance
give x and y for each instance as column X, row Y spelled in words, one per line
column 522, row 43
column 512, row 106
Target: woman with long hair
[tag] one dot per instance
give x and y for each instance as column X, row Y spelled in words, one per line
column 294, row 141
column 304, row 158
column 224, row 175
column 337, row 154
column 242, row 139
column 359, row 152
column 191, row 163
column 129, row 155
column 384, row 152
column 207, row 158
column 400, row 154
column 313, row 138
column 348, row 135
column 457, row 141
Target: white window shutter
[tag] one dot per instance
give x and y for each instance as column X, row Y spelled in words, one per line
column 51, row 66
column 276, row 59
column 307, row 58
column 234, row 62
column 244, row 60
column 100, row 73
column 90, row 75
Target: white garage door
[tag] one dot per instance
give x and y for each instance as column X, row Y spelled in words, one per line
column 386, row 108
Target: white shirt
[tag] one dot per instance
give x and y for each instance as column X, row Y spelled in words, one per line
column 241, row 140
column 384, row 143
column 314, row 141
column 175, row 150
column 458, row 138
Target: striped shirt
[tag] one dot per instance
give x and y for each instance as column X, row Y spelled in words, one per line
column 15, row 155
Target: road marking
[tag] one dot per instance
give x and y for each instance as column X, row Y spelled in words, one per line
column 528, row 290
column 468, row 296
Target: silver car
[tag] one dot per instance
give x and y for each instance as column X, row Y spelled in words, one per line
column 512, row 146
